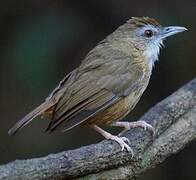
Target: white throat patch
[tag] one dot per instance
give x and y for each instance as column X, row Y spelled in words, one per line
column 152, row 53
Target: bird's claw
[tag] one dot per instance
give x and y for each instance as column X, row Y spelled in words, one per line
column 146, row 126
column 130, row 125
column 123, row 142
column 125, row 139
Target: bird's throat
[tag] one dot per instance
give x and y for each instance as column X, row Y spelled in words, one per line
column 152, row 55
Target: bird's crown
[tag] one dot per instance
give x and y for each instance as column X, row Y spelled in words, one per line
column 143, row 21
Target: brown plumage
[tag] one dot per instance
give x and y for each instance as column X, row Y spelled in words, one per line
column 108, row 83
column 88, row 92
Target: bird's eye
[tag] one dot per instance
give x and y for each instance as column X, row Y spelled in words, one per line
column 148, row 33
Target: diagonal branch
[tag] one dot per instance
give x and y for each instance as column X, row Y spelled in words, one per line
column 174, row 120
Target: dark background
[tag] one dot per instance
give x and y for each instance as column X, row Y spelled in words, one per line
column 40, row 41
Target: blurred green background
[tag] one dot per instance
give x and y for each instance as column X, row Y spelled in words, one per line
column 41, row 41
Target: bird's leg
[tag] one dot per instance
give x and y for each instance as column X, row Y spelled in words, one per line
column 122, row 141
column 129, row 125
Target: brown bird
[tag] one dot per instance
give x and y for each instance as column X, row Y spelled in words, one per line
column 108, row 83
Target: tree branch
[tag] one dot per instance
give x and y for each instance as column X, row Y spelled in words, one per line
column 174, row 120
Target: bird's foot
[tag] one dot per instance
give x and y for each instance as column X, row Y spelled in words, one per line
column 130, row 125
column 122, row 141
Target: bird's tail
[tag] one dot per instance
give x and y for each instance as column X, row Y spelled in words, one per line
column 29, row 117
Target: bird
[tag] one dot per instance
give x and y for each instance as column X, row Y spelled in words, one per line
column 108, row 83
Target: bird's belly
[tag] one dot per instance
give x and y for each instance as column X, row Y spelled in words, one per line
column 117, row 111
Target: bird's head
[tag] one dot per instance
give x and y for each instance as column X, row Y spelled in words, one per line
column 146, row 35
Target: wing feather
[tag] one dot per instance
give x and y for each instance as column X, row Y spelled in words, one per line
column 97, row 86
column 83, row 110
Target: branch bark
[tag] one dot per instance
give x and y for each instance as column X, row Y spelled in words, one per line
column 174, row 120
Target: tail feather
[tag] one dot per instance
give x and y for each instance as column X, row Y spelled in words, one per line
column 29, row 117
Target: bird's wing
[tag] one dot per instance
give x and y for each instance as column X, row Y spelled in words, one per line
column 98, row 86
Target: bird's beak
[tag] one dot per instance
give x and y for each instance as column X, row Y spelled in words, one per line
column 171, row 30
